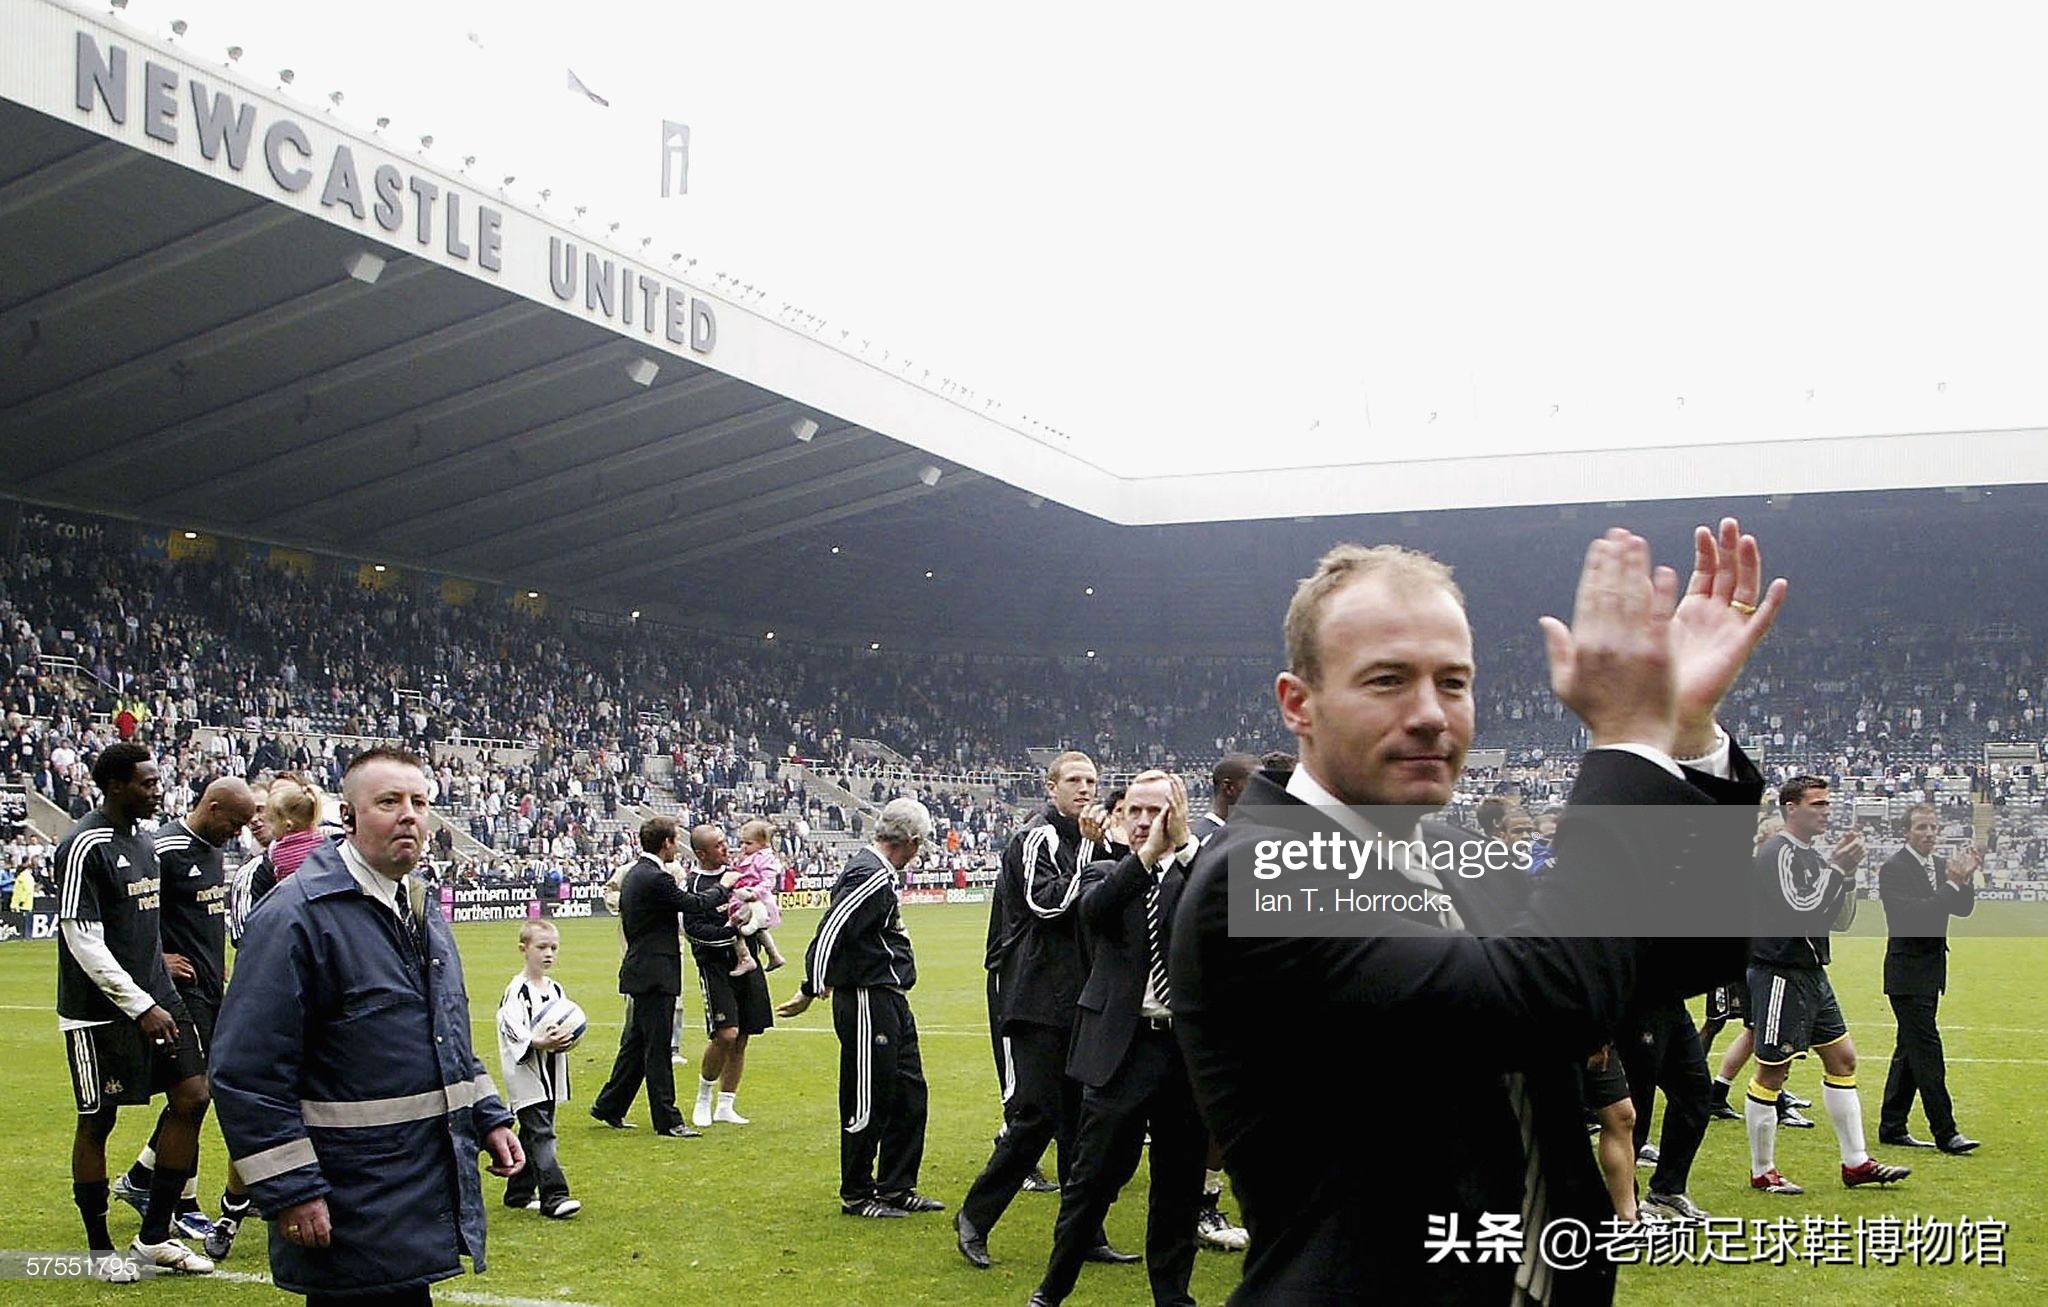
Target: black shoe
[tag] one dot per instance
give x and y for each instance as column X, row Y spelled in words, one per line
column 872, row 1208
column 1722, row 1112
column 1036, row 1183
column 1903, row 1140
column 1039, row 1299
column 616, row 1123
column 1791, row 1118
column 973, row 1243
column 1109, row 1255
column 912, row 1201
column 680, row 1132
column 1957, row 1144
column 1793, row 1100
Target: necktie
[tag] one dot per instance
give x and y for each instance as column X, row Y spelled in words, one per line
column 410, row 899
column 1160, row 990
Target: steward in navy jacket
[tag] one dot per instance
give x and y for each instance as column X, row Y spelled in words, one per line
column 343, row 1068
column 861, row 941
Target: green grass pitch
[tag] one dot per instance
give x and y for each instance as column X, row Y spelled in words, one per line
column 749, row 1215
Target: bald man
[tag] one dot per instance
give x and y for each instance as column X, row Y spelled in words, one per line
column 193, row 924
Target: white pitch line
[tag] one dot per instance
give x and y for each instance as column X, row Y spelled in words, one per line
column 440, row 1294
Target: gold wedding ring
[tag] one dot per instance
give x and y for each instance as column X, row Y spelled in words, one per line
column 1740, row 607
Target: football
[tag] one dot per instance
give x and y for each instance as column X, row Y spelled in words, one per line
column 562, row 1011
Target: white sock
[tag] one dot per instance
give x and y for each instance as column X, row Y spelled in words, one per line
column 1212, row 1184
column 725, row 1100
column 705, row 1089
column 191, row 1188
column 146, row 1159
column 1845, row 1109
column 1762, row 1121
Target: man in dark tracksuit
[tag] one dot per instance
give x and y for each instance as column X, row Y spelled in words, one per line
column 1039, row 966
column 861, row 956
column 1920, row 892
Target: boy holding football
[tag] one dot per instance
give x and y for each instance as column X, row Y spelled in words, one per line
column 536, row 1065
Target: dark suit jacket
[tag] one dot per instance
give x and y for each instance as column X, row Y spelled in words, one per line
column 650, row 905
column 1113, row 906
column 1916, row 913
column 1360, row 1086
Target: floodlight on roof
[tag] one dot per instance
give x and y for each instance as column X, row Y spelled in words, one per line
column 803, row 429
column 365, row 267
column 643, row 371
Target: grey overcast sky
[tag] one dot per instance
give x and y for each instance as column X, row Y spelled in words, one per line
column 1203, row 236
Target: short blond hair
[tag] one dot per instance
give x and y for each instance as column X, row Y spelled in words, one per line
column 757, row 831
column 1339, row 568
column 291, row 805
column 1066, row 760
column 530, row 929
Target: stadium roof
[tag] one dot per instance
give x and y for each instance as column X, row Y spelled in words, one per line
column 224, row 310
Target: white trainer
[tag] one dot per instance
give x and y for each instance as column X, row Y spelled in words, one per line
column 116, row 1269
column 727, row 1116
column 170, row 1255
column 700, row 1115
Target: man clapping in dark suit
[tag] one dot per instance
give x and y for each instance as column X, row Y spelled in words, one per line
column 1131, row 1073
column 651, row 975
column 1494, row 985
column 1920, row 892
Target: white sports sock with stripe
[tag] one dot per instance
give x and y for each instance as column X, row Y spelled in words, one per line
column 1762, row 1122
column 1845, row 1109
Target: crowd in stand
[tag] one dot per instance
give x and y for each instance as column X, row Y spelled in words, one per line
column 551, row 741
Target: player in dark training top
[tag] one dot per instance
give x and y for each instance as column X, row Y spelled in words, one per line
column 194, row 929
column 125, row 1030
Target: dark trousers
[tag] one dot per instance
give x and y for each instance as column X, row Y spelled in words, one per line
column 1664, row 1053
column 1044, row 1105
column 643, row 1055
column 995, row 1033
column 1150, row 1089
column 1918, row 1065
column 542, row 1172
column 882, row 1099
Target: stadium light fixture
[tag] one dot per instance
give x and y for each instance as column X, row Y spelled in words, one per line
column 873, row 645
column 835, row 549
column 178, row 26
column 378, row 567
column 191, row 535
column 643, row 371
column 928, row 576
column 285, row 76
column 365, row 267
column 1088, row 590
column 533, row 594
column 234, row 53
column 769, row 636
column 929, row 474
column 1091, row 653
column 803, row 429
column 636, row 614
